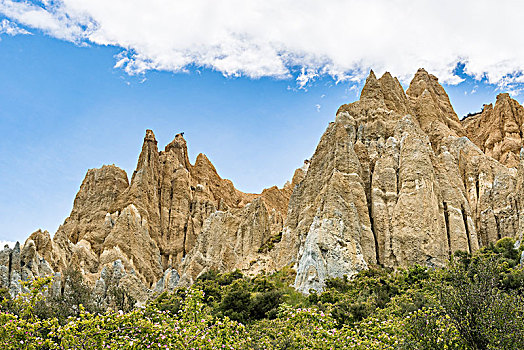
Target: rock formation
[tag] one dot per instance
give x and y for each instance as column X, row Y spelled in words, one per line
column 396, row 179
column 143, row 230
column 17, row 265
column 497, row 130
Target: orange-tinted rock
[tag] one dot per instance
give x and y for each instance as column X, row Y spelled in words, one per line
column 497, row 130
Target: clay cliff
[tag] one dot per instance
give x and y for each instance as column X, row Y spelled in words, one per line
column 396, row 179
column 149, row 225
column 497, row 130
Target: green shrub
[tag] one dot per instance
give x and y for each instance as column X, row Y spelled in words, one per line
column 474, row 303
column 486, row 316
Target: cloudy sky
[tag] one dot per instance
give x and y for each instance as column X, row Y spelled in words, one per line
column 253, row 84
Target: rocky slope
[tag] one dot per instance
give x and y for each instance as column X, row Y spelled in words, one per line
column 396, row 179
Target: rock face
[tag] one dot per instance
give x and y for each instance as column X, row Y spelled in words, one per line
column 148, row 226
column 18, row 265
column 395, row 182
column 396, row 179
column 497, row 130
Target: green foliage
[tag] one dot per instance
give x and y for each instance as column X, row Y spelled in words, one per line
column 270, row 244
column 431, row 329
column 227, row 278
column 190, row 328
column 6, row 302
column 76, row 294
column 170, row 302
column 247, row 299
column 486, row 312
column 474, row 303
column 350, row 301
column 236, row 303
column 265, row 304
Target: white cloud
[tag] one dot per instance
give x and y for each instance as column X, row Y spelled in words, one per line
column 281, row 38
column 51, row 18
column 305, row 76
column 10, row 28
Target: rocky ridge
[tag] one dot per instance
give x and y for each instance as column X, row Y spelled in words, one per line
column 145, row 228
column 396, row 179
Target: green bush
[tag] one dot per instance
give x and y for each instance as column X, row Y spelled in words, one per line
column 474, row 303
column 236, row 302
column 485, row 315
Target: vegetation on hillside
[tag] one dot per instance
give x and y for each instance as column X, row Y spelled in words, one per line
column 474, row 303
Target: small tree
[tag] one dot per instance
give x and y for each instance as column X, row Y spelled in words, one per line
column 236, row 302
column 485, row 316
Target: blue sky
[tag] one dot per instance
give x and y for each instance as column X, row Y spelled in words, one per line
column 65, row 107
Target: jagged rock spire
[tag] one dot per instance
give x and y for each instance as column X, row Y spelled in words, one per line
column 394, row 95
column 148, row 159
column 385, row 92
column 423, row 81
column 372, row 88
column 179, row 147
